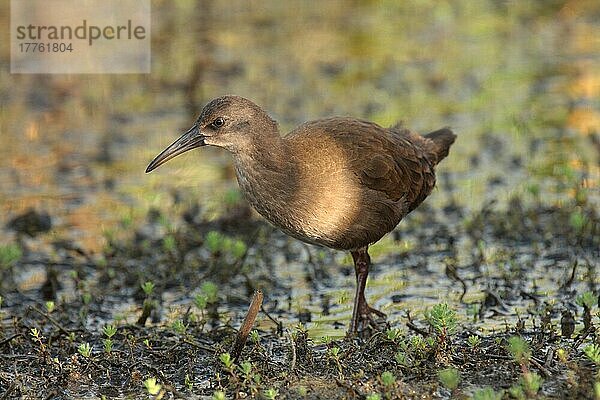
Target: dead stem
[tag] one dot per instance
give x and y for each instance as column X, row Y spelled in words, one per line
column 244, row 331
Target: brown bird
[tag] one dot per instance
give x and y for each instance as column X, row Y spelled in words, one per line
column 338, row 182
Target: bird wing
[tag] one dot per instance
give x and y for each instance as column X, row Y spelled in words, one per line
column 395, row 162
column 402, row 167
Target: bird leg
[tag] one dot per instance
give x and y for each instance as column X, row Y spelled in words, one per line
column 362, row 314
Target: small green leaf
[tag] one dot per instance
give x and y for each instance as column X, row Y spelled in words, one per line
column 10, row 254
column 151, row 386
column 85, row 349
column 210, row 290
column 519, row 349
column 148, row 287
column 109, row 330
column 449, row 377
column 226, row 360
column 388, row 379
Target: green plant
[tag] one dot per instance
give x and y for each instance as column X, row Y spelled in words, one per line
column 219, row 395
column 200, row 301
column 487, row 393
column 179, row 327
column 529, row 382
column 127, row 220
column 109, row 330
column 232, row 197
column 169, row 244
column 50, row 306
column 417, row 343
column 148, row 288
column 474, row 341
column 449, row 377
column 211, row 291
column 402, row 359
column 226, row 360
column 246, row 368
column 592, row 351
column 519, row 349
column 534, row 190
column 35, row 333
column 149, row 304
column 586, row 299
column 86, row 298
column 10, row 254
column 473, row 310
column 255, row 337
column 577, row 220
column 393, row 334
column 218, row 244
column 562, row 355
column 189, row 384
column 334, row 354
column 271, row 394
column 108, row 345
column 152, row 386
column 387, row 379
column 442, row 319
column 214, row 241
column 85, row 349
column 374, row 396
column 238, row 249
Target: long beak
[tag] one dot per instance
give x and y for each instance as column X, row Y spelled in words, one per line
column 188, row 141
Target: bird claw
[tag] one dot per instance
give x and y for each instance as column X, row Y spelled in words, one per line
column 370, row 318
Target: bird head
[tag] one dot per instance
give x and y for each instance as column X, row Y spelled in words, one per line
column 231, row 122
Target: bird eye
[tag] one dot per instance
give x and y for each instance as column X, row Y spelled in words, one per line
column 219, row 122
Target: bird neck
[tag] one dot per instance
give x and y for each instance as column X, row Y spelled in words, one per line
column 264, row 160
column 265, row 173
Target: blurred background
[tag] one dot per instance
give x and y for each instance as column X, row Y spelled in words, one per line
column 510, row 238
column 519, row 82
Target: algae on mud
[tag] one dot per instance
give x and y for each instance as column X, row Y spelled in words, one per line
column 513, row 289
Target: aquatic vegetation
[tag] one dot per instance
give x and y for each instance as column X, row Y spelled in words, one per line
column 85, row 349
column 152, row 387
column 449, row 377
column 529, row 382
column 474, row 341
column 149, row 303
column 487, row 393
column 109, row 331
column 9, row 255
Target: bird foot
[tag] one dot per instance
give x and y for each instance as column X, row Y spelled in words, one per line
column 369, row 319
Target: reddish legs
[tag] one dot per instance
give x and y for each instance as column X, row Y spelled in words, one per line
column 363, row 315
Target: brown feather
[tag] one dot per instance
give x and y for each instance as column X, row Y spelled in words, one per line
column 338, row 182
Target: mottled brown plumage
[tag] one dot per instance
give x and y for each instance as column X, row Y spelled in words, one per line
column 338, row 182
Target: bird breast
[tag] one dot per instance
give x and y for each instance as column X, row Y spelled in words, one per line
column 315, row 196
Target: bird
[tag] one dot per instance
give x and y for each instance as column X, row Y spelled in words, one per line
column 337, row 182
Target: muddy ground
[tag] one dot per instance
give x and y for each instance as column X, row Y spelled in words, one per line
column 119, row 284
column 526, row 271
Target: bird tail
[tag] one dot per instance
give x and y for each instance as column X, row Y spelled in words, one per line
column 442, row 140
